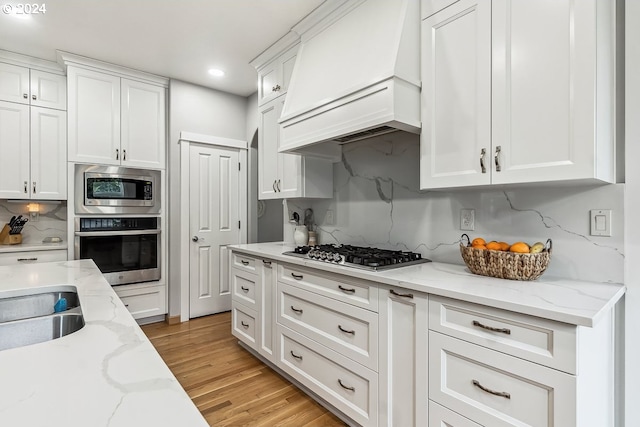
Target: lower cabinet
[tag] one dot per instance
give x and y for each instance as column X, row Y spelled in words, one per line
column 379, row 355
column 143, row 301
column 31, row 257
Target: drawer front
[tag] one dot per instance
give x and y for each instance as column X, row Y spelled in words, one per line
column 146, row 302
column 15, row 258
column 349, row 330
column 244, row 287
column 243, row 262
column 342, row 288
column 497, row 390
column 350, row 387
column 539, row 340
column 439, row 416
column 243, row 320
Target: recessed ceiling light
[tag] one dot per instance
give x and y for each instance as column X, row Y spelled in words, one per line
column 216, row 72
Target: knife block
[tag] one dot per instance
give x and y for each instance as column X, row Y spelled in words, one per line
column 9, row 239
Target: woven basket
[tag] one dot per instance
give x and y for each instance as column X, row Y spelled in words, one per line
column 505, row 265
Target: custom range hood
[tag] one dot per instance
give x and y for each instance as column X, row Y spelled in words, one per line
column 356, row 77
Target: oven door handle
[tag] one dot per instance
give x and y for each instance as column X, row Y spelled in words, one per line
column 115, row 233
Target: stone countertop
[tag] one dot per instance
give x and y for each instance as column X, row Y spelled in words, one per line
column 569, row 301
column 105, row 374
column 33, row 247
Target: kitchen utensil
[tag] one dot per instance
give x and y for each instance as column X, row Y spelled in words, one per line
column 13, row 218
column 308, row 218
column 301, row 235
column 296, row 218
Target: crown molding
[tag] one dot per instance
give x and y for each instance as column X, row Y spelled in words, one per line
column 21, row 60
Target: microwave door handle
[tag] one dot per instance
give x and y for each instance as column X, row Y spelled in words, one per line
column 115, row 233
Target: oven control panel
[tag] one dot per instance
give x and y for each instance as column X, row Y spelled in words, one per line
column 118, row 224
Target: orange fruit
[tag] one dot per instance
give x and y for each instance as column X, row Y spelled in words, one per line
column 482, row 247
column 504, row 246
column 494, row 246
column 478, row 241
column 520, row 247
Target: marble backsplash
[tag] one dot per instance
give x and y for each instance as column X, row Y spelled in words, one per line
column 377, row 202
column 52, row 221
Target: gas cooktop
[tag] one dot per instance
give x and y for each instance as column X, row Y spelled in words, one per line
column 359, row 257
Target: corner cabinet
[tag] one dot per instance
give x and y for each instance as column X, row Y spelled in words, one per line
column 115, row 120
column 517, row 92
column 280, row 175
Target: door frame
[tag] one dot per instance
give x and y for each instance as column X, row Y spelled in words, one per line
column 186, row 139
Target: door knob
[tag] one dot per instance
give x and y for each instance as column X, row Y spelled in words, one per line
column 195, row 238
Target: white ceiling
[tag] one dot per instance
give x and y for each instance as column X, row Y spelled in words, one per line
column 179, row 39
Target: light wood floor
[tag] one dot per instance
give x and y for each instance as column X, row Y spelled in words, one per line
column 229, row 386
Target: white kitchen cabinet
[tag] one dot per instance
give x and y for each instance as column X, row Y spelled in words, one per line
column 143, row 301
column 429, row 7
column 32, row 257
column 115, row 121
column 509, row 93
column 32, row 87
column 282, row 176
column 33, row 148
column 274, row 77
column 403, row 354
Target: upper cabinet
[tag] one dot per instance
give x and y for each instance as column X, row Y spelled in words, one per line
column 274, row 77
column 32, row 87
column 509, row 92
column 116, row 120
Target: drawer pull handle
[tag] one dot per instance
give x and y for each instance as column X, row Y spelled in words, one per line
column 490, row 328
column 345, row 387
column 346, row 331
column 266, row 262
column 244, row 262
column 244, row 325
column 297, row 310
column 295, row 276
column 348, row 290
column 400, row 295
column 27, row 259
column 244, row 289
column 487, row 390
column 295, row 355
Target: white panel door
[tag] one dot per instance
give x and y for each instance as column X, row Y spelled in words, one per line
column 268, row 139
column 544, row 65
column 94, row 117
column 143, row 125
column 456, row 96
column 48, row 90
column 215, row 213
column 14, row 83
column 48, row 154
column 14, row 151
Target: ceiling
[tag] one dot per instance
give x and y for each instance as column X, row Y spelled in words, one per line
column 180, row 39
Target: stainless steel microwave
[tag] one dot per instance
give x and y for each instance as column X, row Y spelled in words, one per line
column 116, row 190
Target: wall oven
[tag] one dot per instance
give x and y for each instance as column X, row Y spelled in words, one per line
column 116, row 190
column 125, row 249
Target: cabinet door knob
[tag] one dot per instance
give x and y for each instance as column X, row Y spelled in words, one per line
column 297, row 277
column 296, row 310
column 245, row 290
column 25, row 96
column 27, row 259
column 34, row 187
column 295, row 355
column 497, row 159
column 347, row 290
column 483, row 153
column 243, row 262
column 276, row 88
column 34, row 97
column 244, row 325
column 346, row 331
column 491, row 328
column 124, row 154
column 117, row 154
column 25, row 187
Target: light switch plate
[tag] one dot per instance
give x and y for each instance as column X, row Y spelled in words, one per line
column 600, row 222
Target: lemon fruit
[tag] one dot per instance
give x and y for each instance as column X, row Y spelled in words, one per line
column 536, row 248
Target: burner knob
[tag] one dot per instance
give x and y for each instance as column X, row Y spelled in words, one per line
column 337, row 257
column 323, row 255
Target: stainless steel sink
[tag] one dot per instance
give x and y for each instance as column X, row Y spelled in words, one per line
column 34, row 304
column 35, row 330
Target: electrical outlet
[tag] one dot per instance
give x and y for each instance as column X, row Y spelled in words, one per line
column 467, row 219
column 34, row 216
column 328, row 218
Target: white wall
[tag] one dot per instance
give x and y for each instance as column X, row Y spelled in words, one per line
column 252, row 164
column 632, row 227
column 201, row 110
column 51, row 223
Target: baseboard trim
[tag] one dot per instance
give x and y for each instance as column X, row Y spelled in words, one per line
column 172, row 320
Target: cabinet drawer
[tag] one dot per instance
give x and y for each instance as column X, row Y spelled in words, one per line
column 145, row 302
column 539, row 340
column 352, row 291
column 349, row 330
column 244, row 262
column 13, row 258
column 350, row 387
column 439, row 416
column 498, row 390
column 243, row 287
column 243, row 320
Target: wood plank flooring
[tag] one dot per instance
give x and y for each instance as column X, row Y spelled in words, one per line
column 229, row 386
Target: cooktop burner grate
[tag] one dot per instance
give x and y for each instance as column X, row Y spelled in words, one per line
column 358, row 256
